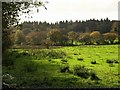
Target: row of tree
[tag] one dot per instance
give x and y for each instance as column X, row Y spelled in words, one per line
column 56, row 37
column 103, row 26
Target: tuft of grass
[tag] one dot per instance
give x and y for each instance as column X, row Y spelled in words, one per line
column 64, row 68
column 84, row 72
column 116, row 61
column 93, row 62
column 81, row 71
column 111, row 64
column 64, row 61
column 80, row 59
column 94, row 76
column 75, row 54
column 109, row 61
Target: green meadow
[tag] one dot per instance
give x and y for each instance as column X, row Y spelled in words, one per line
column 69, row 66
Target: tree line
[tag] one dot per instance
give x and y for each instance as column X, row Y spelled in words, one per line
column 66, row 33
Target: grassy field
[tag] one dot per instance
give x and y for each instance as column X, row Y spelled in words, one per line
column 77, row 66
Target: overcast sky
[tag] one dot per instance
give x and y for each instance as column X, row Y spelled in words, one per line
column 76, row 10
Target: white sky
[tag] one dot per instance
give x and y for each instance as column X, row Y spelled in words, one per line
column 76, row 10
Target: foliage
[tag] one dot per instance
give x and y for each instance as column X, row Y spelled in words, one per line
column 47, row 42
column 85, row 38
column 96, row 36
column 69, row 35
column 36, row 38
column 72, row 36
column 19, row 37
column 64, row 40
column 110, row 37
column 10, row 14
column 55, row 36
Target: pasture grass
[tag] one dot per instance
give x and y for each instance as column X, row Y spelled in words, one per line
column 42, row 67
